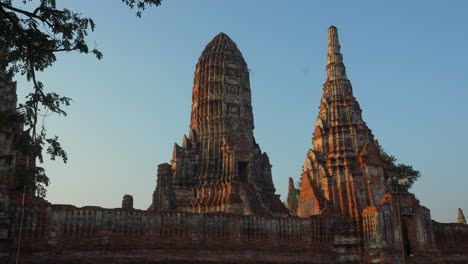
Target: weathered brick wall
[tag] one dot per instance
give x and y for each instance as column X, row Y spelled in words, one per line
column 59, row 229
column 66, row 234
column 425, row 241
column 451, row 238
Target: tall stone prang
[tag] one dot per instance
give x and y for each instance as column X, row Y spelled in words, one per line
column 343, row 173
column 219, row 167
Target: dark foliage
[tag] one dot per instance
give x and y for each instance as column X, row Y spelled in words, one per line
column 32, row 33
column 141, row 4
column 398, row 171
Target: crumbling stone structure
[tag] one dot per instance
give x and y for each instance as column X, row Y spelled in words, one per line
column 461, row 217
column 292, row 199
column 127, row 202
column 67, row 234
column 219, row 167
column 215, row 202
column 398, row 228
column 345, row 177
column 343, row 173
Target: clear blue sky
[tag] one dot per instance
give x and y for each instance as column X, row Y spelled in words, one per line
column 407, row 61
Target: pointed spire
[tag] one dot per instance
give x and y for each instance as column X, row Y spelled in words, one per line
column 461, row 217
column 291, row 184
column 335, row 67
column 186, row 142
column 291, row 202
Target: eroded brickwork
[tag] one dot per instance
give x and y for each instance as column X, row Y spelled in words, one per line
column 127, row 202
column 345, row 177
column 51, row 231
column 219, row 167
column 343, row 173
column 215, row 202
column 292, row 199
column 461, row 217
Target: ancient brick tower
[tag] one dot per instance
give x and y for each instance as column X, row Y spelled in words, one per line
column 219, row 167
column 343, row 173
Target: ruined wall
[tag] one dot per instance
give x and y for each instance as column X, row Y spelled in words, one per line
column 424, row 240
column 64, row 229
column 66, row 234
column 451, row 238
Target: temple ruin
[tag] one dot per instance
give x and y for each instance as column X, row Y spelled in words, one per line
column 343, row 173
column 215, row 201
column 219, row 167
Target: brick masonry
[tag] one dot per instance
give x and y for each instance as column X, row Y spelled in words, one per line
column 215, row 202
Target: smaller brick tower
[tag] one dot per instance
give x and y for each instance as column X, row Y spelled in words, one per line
column 291, row 200
column 163, row 196
column 461, row 217
column 343, row 173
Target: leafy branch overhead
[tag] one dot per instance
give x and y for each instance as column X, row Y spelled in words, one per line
column 141, row 4
column 32, row 33
column 31, row 38
column 398, row 171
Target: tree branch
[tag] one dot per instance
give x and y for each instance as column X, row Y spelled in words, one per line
column 59, row 50
column 26, row 13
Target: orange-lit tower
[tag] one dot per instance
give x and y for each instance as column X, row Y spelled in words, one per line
column 220, row 167
column 343, row 173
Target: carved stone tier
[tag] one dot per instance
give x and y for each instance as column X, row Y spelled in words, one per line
column 343, row 173
column 219, row 167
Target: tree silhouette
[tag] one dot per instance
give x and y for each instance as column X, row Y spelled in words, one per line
column 32, row 33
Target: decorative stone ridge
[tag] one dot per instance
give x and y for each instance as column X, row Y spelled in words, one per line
column 219, row 167
column 343, row 173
